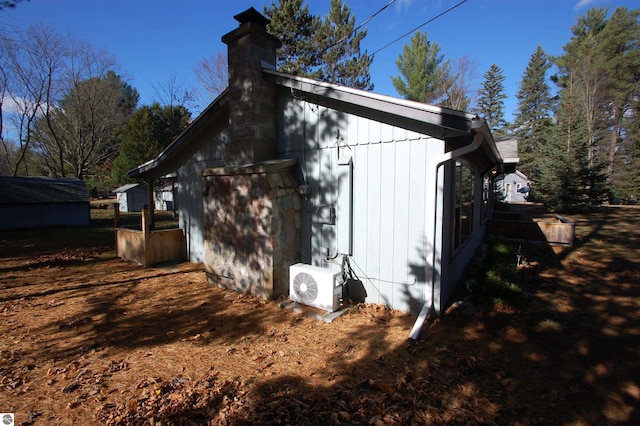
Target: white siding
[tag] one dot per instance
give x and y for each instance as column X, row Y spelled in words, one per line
column 189, row 193
column 389, row 198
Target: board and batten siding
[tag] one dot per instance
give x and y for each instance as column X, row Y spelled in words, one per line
column 389, row 197
column 211, row 153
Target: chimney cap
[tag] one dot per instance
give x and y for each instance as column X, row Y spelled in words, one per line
column 251, row 15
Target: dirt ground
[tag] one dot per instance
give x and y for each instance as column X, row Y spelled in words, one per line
column 89, row 339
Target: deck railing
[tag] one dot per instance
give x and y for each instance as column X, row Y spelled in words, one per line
column 147, row 247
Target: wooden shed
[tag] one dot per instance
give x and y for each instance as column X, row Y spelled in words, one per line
column 131, row 197
column 30, row 202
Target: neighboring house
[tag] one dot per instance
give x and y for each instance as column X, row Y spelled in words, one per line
column 281, row 169
column 31, row 202
column 131, row 197
column 164, row 195
column 514, row 186
column 508, row 147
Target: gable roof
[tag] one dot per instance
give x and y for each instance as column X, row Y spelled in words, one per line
column 34, row 190
column 441, row 123
column 417, row 116
column 130, row 186
column 508, row 147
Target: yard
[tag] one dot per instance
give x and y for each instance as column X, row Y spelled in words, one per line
column 90, row 339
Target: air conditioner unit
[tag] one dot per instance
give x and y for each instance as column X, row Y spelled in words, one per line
column 315, row 286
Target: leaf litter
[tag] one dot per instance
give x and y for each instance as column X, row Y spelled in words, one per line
column 90, row 339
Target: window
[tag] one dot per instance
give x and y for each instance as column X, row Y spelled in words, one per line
column 463, row 222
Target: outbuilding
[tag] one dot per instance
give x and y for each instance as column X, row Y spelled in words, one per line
column 131, row 197
column 31, row 202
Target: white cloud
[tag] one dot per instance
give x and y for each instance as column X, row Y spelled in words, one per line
column 583, row 3
column 403, row 5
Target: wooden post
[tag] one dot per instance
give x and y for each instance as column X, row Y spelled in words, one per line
column 145, row 236
column 116, row 222
column 151, row 203
column 116, row 214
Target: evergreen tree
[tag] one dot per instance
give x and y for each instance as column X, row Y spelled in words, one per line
column 327, row 49
column 491, row 100
column 421, row 67
column 533, row 120
column 294, row 25
column 341, row 59
column 559, row 162
column 620, row 40
column 626, row 174
column 150, row 130
column 598, row 71
column 582, row 70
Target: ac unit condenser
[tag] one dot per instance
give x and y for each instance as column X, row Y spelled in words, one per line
column 315, row 286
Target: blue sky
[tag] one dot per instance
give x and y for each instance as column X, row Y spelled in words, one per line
column 153, row 40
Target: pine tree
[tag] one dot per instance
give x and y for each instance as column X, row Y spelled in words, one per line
column 559, row 163
column 533, row 120
column 327, row 49
column 294, row 25
column 491, row 100
column 421, row 67
column 620, row 41
column 149, row 130
column 599, row 71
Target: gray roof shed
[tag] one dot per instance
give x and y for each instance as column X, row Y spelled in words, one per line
column 29, row 202
column 131, row 197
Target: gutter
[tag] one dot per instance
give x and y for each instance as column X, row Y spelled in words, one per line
column 434, row 164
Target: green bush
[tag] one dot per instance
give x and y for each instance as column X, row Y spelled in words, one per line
column 499, row 278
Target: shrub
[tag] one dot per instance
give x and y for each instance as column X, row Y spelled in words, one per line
column 499, row 279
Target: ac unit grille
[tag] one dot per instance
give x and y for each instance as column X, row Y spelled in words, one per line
column 305, row 287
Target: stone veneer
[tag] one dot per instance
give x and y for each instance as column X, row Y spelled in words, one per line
column 252, row 226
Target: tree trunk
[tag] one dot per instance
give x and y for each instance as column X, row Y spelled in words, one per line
column 617, row 113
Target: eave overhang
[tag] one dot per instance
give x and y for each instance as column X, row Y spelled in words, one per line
column 456, row 128
column 164, row 163
column 422, row 118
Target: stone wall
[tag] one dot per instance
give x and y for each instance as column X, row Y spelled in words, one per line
column 252, row 226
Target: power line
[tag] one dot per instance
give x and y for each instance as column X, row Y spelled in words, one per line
column 420, row 26
column 366, row 21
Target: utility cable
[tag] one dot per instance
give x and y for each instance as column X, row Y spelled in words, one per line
column 366, row 21
column 420, row 26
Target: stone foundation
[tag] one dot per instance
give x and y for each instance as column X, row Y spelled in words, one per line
column 252, row 226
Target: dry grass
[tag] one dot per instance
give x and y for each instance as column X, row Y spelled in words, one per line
column 89, row 339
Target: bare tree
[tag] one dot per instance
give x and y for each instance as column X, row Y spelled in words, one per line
column 174, row 93
column 212, row 73
column 68, row 105
column 6, row 160
column 455, row 87
column 31, row 63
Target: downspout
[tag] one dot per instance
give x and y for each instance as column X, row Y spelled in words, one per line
column 432, row 167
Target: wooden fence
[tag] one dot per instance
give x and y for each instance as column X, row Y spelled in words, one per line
column 556, row 231
column 147, row 247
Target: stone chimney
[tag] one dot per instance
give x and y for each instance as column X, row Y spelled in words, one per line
column 252, row 100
